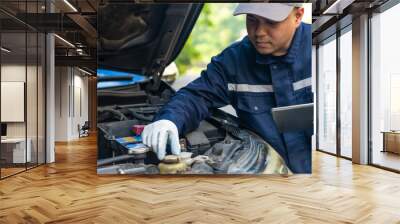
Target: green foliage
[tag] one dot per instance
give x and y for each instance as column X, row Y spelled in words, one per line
column 215, row 29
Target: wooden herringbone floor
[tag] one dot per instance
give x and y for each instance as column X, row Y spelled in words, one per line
column 69, row 191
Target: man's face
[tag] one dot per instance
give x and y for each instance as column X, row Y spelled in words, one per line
column 270, row 37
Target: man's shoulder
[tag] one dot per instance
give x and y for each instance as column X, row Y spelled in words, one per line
column 238, row 50
column 306, row 26
column 306, row 30
column 235, row 57
column 240, row 45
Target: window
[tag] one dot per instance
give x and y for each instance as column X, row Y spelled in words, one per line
column 327, row 96
column 22, row 75
column 346, row 93
column 385, row 87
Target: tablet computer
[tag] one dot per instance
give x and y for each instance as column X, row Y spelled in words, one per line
column 294, row 118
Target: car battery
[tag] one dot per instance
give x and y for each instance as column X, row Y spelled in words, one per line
column 108, row 132
column 138, row 129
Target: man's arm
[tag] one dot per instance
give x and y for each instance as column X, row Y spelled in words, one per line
column 190, row 105
column 187, row 108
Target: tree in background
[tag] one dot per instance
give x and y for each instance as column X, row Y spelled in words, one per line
column 215, row 29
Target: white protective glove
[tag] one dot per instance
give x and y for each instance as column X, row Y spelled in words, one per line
column 158, row 134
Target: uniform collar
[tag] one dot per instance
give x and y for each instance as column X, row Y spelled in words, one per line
column 289, row 57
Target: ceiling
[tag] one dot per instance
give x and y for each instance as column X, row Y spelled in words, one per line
column 76, row 22
column 72, row 20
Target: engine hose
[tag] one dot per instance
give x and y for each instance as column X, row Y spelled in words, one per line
column 121, row 116
column 102, row 162
column 140, row 116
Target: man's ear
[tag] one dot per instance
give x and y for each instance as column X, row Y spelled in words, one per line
column 299, row 12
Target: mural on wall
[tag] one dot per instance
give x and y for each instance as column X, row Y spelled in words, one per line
column 145, row 126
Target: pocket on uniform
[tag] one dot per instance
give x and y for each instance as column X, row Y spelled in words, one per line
column 255, row 103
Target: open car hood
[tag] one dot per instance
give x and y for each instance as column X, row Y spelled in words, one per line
column 143, row 38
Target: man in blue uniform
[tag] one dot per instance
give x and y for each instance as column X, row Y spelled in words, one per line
column 270, row 67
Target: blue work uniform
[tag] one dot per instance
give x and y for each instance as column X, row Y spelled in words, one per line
column 253, row 84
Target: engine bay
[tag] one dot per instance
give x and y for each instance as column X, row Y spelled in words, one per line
column 218, row 146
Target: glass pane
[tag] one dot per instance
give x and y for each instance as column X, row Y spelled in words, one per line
column 314, row 74
column 13, row 85
column 31, row 101
column 386, row 89
column 327, row 97
column 41, row 98
column 346, row 94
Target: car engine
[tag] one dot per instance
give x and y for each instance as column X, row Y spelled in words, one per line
column 218, row 146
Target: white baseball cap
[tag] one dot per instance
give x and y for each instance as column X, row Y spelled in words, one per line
column 276, row 12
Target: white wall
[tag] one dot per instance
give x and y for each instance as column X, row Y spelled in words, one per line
column 12, row 73
column 71, row 94
column 61, row 103
column 33, row 126
column 15, row 73
column 81, row 84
